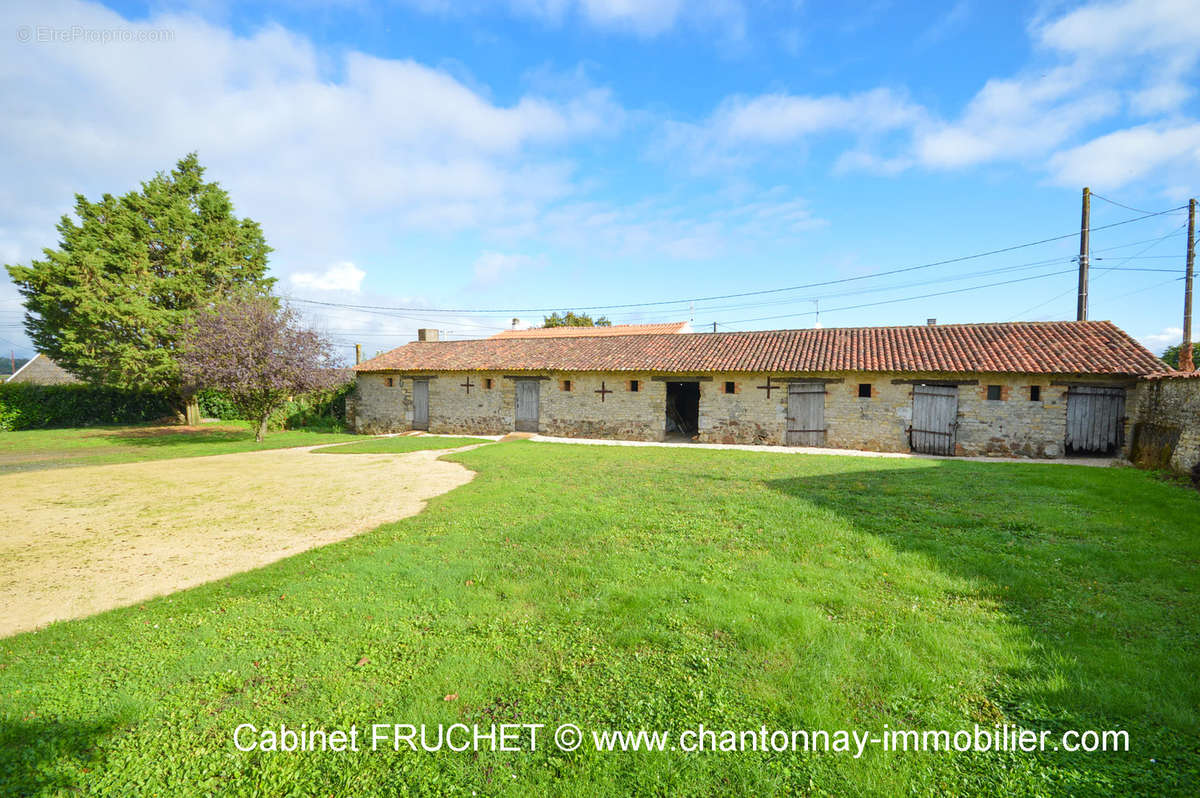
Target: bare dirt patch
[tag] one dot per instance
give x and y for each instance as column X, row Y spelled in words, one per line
column 83, row 540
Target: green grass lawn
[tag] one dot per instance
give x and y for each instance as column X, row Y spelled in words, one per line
column 659, row 588
column 402, row 445
column 30, row 450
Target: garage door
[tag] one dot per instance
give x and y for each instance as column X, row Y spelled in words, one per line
column 1095, row 419
column 934, row 419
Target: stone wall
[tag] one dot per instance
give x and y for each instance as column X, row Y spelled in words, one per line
column 623, row 414
column 1014, row 425
column 1167, row 424
column 379, row 408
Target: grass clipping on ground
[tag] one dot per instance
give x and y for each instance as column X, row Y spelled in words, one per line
column 80, row 541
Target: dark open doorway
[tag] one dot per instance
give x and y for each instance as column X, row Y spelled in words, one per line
column 683, row 409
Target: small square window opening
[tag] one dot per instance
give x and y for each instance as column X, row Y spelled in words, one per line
column 993, row 393
column 864, row 390
column 1035, row 393
column 730, row 387
column 389, row 382
column 634, row 386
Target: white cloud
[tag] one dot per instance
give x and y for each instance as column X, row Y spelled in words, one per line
column 344, row 276
column 1106, row 58
column 1133, row 54
column 643, row 18
column 778, row 118
column 1016, row 118
column 860, row 161
column 1116, row 29
column 742, row 129
column 1157, row 342
column 1152, row 41
column 1160, row 98
column 1103, row 58
column 1118, row 158
column 946, row 24
column 323, row 153
column 492, row 267
column 665, row 227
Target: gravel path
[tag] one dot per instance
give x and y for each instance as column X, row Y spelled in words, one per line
column 82, row 540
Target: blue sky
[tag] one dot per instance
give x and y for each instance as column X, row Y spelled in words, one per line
column 525, row 154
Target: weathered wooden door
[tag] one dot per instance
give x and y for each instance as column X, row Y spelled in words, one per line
column 527, row 405
column 806, row 414
column 420, row 404
column 1095, row 419
column 934, row 418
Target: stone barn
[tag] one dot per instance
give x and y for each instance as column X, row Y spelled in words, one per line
column 1036, row 389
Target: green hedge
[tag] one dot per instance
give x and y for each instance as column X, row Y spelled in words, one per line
column 214, row 404
column 24, row 406
column 323, row 410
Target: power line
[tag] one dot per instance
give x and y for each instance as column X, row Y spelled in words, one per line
column 660, row 303
column 911, row 298
column 1118, row 204
column 1153, row 243
column 897, row 286
column 1136, row 243
column 1146, row 288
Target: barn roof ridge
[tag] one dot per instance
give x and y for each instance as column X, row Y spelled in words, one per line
column 661, row 328
column 1048, row 347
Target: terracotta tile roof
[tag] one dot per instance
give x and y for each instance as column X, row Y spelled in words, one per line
column 1057, row 347
column 587, row 332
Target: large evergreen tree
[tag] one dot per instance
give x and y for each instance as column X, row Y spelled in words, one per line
column 130, row 274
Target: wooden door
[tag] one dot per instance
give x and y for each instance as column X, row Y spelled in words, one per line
column 806, row 414
column 934, row 418
column 527, row 405
column 420, row 404
column 1095, row 419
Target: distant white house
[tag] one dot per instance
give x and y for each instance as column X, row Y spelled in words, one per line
column 41, row 370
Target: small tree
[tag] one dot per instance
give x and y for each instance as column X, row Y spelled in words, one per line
column 570, row 318
column 258, row 352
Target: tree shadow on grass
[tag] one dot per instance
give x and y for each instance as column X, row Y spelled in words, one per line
column 173, row 436
column 1099, row 568
column 45, row 757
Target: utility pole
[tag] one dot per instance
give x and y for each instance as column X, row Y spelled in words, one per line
column 1081, row 309
column 357, row 354
column 1185, row 348
column 714, row 326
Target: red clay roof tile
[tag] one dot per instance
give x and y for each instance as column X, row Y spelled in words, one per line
column 1057, row 347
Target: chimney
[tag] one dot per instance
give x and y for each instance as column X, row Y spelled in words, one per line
column 931, row 322
column 425, row 334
